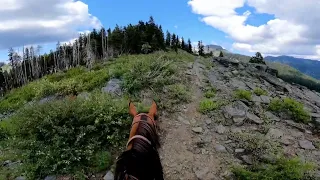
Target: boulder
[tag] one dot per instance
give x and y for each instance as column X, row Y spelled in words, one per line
column 220, row 129
column 237, row 115
column 274, row 133
column 271, row 116
column 272, row 71
column 253, row 118
column 265, row 99
column 220, row 148
column 197, row 129
column 113, row 87
column 109, row 176
column 305, row 144
column 226, row 61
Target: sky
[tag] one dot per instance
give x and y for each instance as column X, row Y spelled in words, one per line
column 272, row 27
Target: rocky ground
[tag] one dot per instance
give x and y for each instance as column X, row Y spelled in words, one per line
column 196, row 146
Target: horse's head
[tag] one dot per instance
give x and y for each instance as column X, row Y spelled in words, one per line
column 141, row 160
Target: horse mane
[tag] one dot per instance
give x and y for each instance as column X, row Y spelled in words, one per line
column 142, row 159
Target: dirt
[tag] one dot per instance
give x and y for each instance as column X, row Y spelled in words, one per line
column 183, row 151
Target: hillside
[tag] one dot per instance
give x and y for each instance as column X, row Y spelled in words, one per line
column 306, row 66
column 219, row 119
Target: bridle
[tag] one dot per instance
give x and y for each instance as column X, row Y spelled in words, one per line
column 135, row 121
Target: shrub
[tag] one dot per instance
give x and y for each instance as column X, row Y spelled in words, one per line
column 243, row 94
column 63, row 137
column 259, row 91
column 282, row 168
column 292, row 107
column 256, row 143
column 208, row 105
column 210, row 93
column 178, row 92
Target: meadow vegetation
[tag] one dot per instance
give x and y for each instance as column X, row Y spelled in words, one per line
column 292, row 107
column 82, row 136
column 243, row 94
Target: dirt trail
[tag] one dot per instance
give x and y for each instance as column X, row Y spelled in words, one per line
column 183, row 154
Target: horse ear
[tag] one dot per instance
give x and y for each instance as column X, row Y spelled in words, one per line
column 153, row 109
column 132, row 109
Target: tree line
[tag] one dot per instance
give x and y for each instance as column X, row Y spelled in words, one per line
column 87, row 49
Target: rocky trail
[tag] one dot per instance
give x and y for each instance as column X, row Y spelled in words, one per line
column 197, row 146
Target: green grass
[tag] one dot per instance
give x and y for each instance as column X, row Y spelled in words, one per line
column 292, row 107
column 210, row 93
column 282, row 168
column 259, row 92
column 243, row 94
column 207, row 62
column 207, row 105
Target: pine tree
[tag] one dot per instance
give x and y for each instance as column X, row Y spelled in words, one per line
column 183, row 45
column 168, row 39
column 200, row 48
column 189, row 46
column 221, row 54
column 173, row 40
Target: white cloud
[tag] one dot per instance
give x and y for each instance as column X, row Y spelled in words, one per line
column 176, row 26
column 293, row 31
column 33, row 22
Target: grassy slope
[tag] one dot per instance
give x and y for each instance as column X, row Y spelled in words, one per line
column 81, row 136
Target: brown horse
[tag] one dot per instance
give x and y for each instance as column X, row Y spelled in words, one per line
column 141, row 160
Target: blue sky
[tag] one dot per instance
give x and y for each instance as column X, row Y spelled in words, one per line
column 212, row 21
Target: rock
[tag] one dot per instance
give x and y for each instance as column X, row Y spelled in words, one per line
column 256, row 98
column 273, row 72
column 271, row 116
column 287, row 140
column 305, row 144
column 226, row 61
column 220, row 148
column 315, row 115
column 265, row 99
column 239, row 150
column 190, row 65
column 274, row 133
column 84, row 95
column 50, row 178
column 247, row 159
column 20, row 178
column 47, row 99
column 236, row 130
column 197, row 129
column 238, row 84
column 109, row 176
column 201, row 173
column 183, row 120
column 250, row 85
column 10, row 164
column 113, row 87
column 254, row 118
column 240, row 105
column 208, row 121
column 237, row 115
column 220, row 129
column 189, row 72
column 235, row 72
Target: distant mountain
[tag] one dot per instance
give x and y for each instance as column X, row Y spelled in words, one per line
column 306, row 66
column 215, row 49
